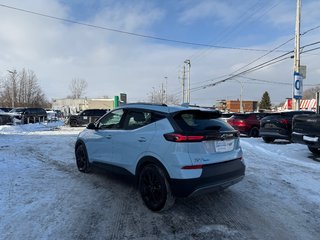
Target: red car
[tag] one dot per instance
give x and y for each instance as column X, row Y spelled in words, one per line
column 247, row 123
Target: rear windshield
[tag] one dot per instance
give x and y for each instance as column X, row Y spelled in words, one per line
column 240, row 116
column 192, row 121
column 17, row 110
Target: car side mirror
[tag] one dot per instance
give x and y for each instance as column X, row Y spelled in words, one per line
column 91, row 126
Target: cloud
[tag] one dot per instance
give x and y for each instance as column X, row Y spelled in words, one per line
column 221, row 11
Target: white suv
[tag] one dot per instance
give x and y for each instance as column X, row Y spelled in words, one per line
column 173, row 151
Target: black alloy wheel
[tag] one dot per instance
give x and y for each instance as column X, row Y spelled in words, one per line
column 268, row 139
column 314, row 150
column 82, row 159
column 154, row 188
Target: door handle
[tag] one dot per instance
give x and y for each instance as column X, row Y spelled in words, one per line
column 108, row 137
column 142, row 139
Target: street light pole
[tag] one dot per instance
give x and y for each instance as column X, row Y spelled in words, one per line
column 166, row 90
column 188, row 90
column 241, row 93
column 183, row 84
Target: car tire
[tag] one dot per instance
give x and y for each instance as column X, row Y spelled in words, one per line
column 82, row 159
column 155, row 189
column 314, row 150
column 73, row 123
column 254, row 132
column 268, row 139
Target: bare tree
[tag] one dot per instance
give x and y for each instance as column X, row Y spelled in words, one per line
column 159, row 96
column 77, row 87
column 311, row 92
column 21, row 89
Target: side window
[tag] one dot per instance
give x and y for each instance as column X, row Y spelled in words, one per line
column 95, row 113
column 86, row 113
column 111, row 120
column 137, row 119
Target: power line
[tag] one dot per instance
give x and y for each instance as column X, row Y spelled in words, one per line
column 258, row 67
column 271, row 82
column 130, row 33
column 243, row 20
column 245, row 16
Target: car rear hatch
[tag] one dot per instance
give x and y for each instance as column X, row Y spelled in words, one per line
column 207, row 138
column 308, row 124
column 274, row 122
column 238, row 120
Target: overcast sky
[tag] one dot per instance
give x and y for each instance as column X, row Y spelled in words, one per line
column 113, row 62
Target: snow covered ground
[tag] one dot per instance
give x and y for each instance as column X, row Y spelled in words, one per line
column 43, row 196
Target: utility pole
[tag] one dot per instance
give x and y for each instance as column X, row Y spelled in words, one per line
column 297, row 83
column 188, row 90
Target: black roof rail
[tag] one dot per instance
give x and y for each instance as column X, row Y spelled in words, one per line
column 146, row 103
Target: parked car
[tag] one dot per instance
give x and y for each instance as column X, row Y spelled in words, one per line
column 278, row 125
column 171, row 151
column 86, row 116
column 306, row 130
column 226, row 116
column 25, row 115
column 5, row 119
column 5, row 109
column 247, row 123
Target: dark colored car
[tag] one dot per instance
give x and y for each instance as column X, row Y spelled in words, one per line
column 28, row 115
column 278, row 125
column 5, row 119
column 5, row 109
column 86, row 116
column 247, row 123
column 306, row 130
column 226, row 116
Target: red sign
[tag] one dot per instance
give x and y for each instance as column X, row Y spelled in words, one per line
column 289, row 103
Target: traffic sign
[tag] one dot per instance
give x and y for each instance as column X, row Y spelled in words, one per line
column 297, row 86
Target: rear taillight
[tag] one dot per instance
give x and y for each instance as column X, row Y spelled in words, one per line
column 176, row 137
column 284, row 121
column 238, row 123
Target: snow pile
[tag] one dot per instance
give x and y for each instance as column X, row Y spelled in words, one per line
column 24, row 128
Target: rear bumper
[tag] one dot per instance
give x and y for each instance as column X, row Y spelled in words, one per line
column 276, row 134
column 242, row 130
column 214, row 177
column 310, row 140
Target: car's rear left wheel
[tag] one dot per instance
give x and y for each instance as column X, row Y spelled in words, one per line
column 73, row 123
column 268, row 139
column 82, row 159
column 155, row 188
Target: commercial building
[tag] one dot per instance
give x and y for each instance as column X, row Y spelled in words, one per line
column 70, row 106
column 234, row 106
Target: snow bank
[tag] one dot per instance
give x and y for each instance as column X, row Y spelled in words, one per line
column 25, row 128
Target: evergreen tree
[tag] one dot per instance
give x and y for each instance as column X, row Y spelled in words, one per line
column 265, row 102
